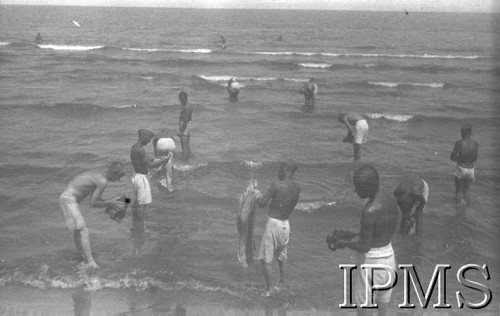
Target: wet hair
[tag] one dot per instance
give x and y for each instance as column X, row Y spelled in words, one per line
column 366, row 176
column 183, row 95
column 466, row 129
column 115, row 167
column 341, row 116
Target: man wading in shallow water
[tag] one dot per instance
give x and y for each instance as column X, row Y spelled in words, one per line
column 284, row 195
column 83, row 185
column 378, row 224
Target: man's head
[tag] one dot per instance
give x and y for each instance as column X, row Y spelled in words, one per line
column 404, row 198
column 466, row 130
column 342, row 117
column 183, row 98
column 145, row 136
column 115, row 171
column 365, row 181
column 287, row 170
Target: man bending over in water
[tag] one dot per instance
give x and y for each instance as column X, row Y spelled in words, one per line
column 357, row 128
column 412, row 195
column 378, row 224
column 284, row 195
column 79, row 188
column 465, row 154
column 309, row 90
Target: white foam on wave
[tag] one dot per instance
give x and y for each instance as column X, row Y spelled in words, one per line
column 296, row 79
column 184, row 168
column 251, row 164
column 124, row 106
column 414, row 84
column 147, row 78
column 313, row 65
column 70, row 47
column 152, row 50
column 392, row 117
column 4, row 43
column 309, row 207
column 425, row 56
column 223, row 79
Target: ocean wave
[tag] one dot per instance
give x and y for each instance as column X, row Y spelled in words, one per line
column 70, row 47
column 392, row 117
column 152, row 50
column 313, row 65
column 46, row 278
column 412, row 84
column 365, row 55
column 4, row 43
column 251, row 164
column 309, row 207
column 186, row 168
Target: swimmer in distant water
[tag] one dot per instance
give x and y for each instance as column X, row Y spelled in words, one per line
column 465, row 154
column 412, row 195
column 309, row 90
column 233, row 88
column 185, row 125
column 83, row 185
column 283, row 195
column 357, row 128
column 223, row 42
column 280, row 38
column 38, row 39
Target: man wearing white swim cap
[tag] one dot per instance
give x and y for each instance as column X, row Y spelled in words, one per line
column 233, row 88
column 164, row 139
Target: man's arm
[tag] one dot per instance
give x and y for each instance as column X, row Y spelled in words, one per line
column 96, row 199
column 151, row 161
column 456, row 151
column 363, row 244
column 264, row 199
column 475, row 152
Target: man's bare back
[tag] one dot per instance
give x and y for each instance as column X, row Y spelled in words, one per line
column 85, row 184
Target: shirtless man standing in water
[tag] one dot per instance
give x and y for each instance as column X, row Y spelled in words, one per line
column 465, row 154
column 185, row 125
column 79, row 188
column 284, row 195
column 142, row 189
column 378, row 225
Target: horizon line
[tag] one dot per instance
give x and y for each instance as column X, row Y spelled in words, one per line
column 221, row 8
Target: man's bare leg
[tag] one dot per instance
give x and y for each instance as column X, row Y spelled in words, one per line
column 267, row 270
column 281, row 265
column 85, row 244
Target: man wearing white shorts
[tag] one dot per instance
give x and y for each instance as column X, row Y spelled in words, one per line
column 464, row 153
column 283, row 195
column 412, row 195
column 142, row 189
column 93, row 185
column 357, row 128
column 378, row 225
